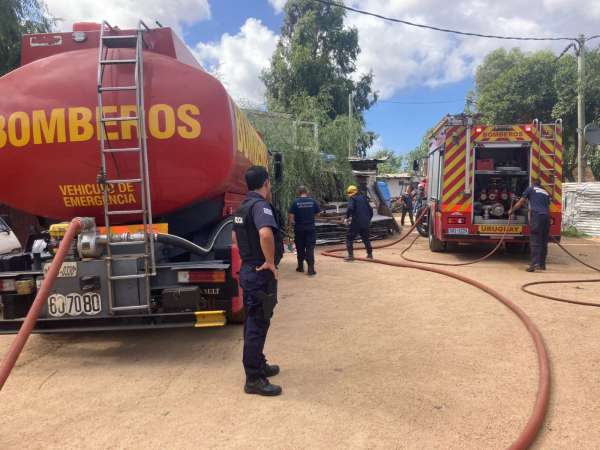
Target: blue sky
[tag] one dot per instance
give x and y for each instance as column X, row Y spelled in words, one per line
column 234, row 40
column 400, row 126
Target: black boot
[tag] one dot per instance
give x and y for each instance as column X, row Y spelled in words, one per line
column 370, row 255
column 262, row 387
column 349, row 258
column 300, row 267
column 311, row 269
column 271, row 370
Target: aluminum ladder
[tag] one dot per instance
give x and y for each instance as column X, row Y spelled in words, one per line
column 113, row 38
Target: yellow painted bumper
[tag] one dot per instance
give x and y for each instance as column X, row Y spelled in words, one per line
column 205, row 319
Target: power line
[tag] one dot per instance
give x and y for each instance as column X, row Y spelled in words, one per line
column 444, row 30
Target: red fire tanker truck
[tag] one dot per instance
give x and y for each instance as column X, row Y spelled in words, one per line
column 474, row 173
column 123, row 127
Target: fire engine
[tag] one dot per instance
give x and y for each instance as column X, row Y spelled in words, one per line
column 476, row 171
column 123, row 127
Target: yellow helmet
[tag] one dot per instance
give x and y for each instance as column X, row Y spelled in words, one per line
column 352, row 190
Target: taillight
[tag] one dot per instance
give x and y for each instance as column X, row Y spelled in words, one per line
column 201, row 276
column 528, row 128
column 478, row 129
column 8, row 285
column 457, row 220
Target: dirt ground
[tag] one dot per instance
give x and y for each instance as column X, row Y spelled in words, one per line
column 371, row 357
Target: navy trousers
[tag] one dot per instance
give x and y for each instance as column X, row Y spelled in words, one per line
column 305, row 241
column 538, row 240
column 364, row 235
column 256, row 325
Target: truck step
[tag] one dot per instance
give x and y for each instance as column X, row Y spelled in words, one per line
column 125, row 212
column 125, row 180
column 106, row 62
column 118, row 119
column 130, row 308
column 136, row 276
column 127, row 256
column 124, row 41
column 116, row 88
column 122, row 150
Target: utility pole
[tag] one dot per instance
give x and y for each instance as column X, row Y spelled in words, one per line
column 350, row 124
column 580, row 109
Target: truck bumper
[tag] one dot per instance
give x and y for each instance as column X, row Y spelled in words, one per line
column 198, row 319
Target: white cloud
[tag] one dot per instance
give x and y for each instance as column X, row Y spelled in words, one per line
column 127, row 13
column 239, row 59
column 278, row 5
column 402, row 56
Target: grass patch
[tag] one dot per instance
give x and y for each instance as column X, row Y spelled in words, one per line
column 572, row 231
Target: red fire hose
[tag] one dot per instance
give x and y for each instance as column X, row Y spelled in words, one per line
column 19, row 342
column 531, row 429
column 484, row 257
column 560, row 299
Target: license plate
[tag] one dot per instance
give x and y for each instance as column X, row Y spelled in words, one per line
column 75, row 304
column 458, row 231
column 67, row 270
column 500, row 229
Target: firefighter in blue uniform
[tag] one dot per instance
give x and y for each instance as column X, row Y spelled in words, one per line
column 358, row 218
column 256, row 231
column 302, row 215
column 539, row 223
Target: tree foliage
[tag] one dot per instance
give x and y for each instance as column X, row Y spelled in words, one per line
column 419, row 153
column 517, row 87
column 18, row 17
column 320, row 166
column 393, row 163
column 316, row 58
column 312, row 73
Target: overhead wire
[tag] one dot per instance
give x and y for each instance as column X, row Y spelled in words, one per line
column 446, row 30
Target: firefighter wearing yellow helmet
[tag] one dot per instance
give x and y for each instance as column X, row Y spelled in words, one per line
column 358, row 219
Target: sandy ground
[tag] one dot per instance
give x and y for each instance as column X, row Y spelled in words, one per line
column 371, row 356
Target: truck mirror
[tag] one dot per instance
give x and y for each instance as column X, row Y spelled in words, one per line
column 278, row 167
column 415, row 165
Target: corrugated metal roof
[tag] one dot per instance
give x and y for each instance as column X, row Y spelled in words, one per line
column 581, row 207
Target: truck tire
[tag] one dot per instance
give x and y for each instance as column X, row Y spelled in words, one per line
column 423, row 225
column 435, row 245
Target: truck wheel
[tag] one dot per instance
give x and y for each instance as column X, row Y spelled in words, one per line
column 422, row 226
column 435, row 245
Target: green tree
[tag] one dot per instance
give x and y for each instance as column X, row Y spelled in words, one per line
column 316, row 58
column 18, row 17
column 517, row 87
column 393, row 163
column 312, row 73
column 419, row 153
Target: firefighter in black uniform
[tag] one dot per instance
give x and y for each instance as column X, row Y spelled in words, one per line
column 358, row 218
column 539, row 223
column 302, row 215
column 257, row 234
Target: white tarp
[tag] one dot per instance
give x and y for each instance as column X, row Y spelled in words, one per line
column 581, row 207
